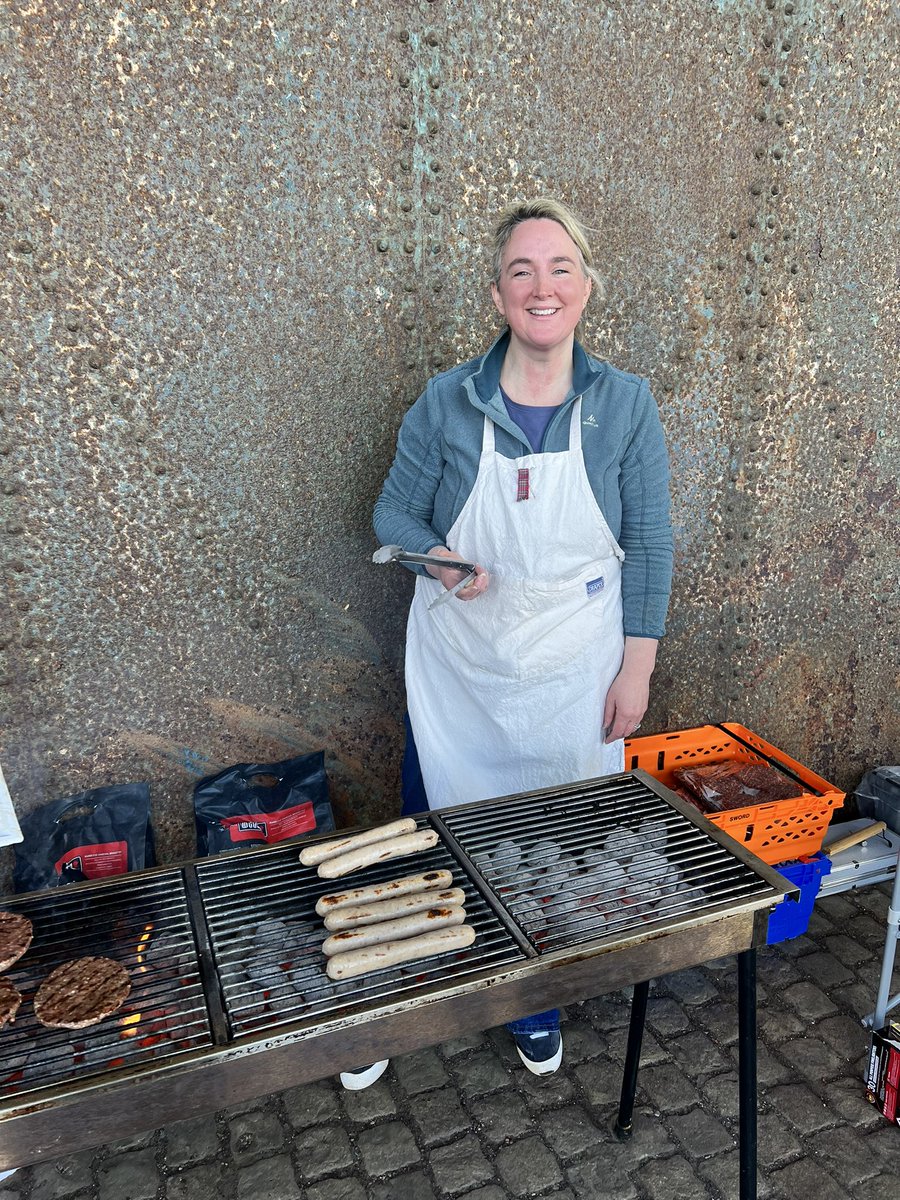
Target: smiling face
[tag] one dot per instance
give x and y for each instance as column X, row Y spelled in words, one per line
column 542, row 289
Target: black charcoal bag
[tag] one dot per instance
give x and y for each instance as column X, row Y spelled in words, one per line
column 256, row 804
column 100, row 832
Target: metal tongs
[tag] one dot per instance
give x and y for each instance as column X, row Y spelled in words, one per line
column 389, row 554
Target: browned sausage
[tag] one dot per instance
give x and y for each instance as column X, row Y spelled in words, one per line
column 389, row 954
column 385, row 910
column 373, row 892
column 311, row 856
column 392, row 931
column 368, row 856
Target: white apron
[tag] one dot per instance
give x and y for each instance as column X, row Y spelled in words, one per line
column 506, row 691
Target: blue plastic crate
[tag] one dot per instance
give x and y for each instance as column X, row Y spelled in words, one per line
column 790, row 918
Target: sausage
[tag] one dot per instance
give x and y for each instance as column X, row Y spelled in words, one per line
column 384, row 910
column 367, row 856
column 373, row 892
column 311, row 856
column 391, row 931
column 389, row 954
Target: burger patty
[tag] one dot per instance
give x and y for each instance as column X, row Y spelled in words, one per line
column 10, row 999
column 15, row 938
column 81, row 992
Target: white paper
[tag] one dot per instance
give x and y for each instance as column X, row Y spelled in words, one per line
column 9, row 826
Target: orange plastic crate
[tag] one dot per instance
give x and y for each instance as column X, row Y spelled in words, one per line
column 774, row 832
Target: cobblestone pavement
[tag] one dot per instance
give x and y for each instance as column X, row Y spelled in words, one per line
column 466, row 1120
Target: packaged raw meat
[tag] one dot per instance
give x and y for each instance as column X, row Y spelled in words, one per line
column 727, row 785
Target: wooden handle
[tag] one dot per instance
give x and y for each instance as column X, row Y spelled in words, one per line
column 852, row 838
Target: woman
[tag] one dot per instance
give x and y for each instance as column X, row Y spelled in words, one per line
column 547, row 468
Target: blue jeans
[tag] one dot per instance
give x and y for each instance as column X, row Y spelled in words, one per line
column 414, row 800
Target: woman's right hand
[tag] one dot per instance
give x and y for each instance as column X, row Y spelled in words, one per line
column 450, row 577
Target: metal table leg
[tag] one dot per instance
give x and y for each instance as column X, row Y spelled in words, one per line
column 747, row 1073
column 623, row 1126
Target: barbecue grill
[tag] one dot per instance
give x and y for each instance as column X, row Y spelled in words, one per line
column 572, row 892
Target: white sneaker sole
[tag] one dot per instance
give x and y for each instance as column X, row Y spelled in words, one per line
column 355, row 1081
column 543, row 1068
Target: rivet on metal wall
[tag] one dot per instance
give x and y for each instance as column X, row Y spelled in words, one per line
column 95, row 362
column 403, row 35
column 403, row 123
column 409, row 286
column 381, row 245
column 437, row 286
column 73, row 324
column 435, row 165
column 409, row 323
column 254, row 623
column 788, row 9
column 432, row 39
column 432, row 127
column 760, row 115
column 409, row 247
column 405, row 164
column 787, row 46
column 404, row 81
column 434, row 81
column 756, row 189
column 405, row 205
column 437, row 360
column 780, row 118
column 763, row 77
column 434, row 209
column 23, row 247
column 435, row 247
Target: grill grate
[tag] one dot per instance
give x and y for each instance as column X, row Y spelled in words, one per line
column 265, row 935
column 603, row 859
column 142, row 924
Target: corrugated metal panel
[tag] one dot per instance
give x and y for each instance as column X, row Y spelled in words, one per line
column 240, row 236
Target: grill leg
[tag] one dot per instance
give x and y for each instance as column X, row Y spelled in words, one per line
column 623, row 1127
column 747, row 1072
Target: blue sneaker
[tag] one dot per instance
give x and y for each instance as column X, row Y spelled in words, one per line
column 540, row 1052
column 363, row 1077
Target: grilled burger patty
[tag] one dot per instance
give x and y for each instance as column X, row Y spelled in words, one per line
column 10, row 999
column 81, row 992
column 15, row 938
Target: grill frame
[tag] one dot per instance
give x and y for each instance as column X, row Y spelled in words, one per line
column 62, row 1120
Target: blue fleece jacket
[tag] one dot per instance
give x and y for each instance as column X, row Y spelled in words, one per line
column 439, row 445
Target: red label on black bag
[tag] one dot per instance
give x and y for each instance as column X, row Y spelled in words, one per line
column 95, row 862
column 271, row 827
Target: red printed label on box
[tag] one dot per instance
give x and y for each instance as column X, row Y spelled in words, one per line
column 890, row 1102
column 271, row 827
column 95, row 862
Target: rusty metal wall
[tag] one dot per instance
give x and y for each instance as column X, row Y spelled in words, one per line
column 239, row 236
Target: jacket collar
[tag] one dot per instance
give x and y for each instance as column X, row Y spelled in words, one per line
column 483, row 385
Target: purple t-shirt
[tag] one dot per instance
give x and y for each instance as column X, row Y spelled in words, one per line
column 531, row 419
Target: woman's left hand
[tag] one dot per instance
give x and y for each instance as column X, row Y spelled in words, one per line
column 629, row 693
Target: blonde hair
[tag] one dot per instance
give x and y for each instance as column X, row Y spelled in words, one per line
column 545, row 208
